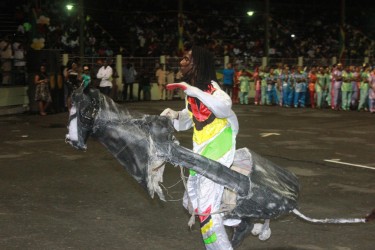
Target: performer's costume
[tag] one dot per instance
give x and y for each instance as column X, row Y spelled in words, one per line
column 215, row 129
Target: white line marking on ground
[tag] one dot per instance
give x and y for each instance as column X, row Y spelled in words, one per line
column 350, row 164
column 268, row 134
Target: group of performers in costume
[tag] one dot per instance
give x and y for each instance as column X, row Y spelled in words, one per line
column 336, row 87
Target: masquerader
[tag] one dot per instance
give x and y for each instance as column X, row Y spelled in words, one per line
column 209, row 111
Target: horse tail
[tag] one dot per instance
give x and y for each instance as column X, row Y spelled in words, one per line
column 368, row 218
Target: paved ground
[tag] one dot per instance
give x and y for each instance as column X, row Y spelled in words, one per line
column 54, row 197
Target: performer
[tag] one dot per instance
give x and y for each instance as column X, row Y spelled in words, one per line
column 320, row 87
column 364, row 88
column 337, row 78
column 311, row 87
column 209, row 111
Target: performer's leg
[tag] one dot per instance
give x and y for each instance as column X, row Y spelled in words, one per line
column 296, row 99
column 312, row 94
column 292, row 93
column 241, row 232
column 212, row 228
column 264, row 95
column 302, row 99
column 246, row 97
column 269, row 97
column 344, row 99
column 319, row 96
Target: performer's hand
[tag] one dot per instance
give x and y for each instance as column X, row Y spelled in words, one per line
column 181, row 85
column 170, row 113
column 187, row 88
column 215, row 85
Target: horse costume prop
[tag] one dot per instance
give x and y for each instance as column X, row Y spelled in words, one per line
column 143, row 144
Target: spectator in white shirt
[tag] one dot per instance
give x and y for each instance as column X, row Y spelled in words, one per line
column 105, row 76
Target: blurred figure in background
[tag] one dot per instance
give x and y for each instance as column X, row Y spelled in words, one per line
column 42, row 91
column 161, row 75
column 364, row 88
column 170, row 79
column 144, row 86
column 244, row 81
column 129, row 75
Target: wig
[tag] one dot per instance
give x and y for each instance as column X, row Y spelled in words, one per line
column 203, row 71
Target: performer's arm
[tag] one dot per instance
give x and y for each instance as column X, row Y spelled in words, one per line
column 183, row 121
column 219, row 102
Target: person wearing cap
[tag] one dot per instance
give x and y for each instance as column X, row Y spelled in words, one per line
column 105, row 76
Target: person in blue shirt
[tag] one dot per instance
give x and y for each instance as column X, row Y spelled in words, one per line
column 228, row 79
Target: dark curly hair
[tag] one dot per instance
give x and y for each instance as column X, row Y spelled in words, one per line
column 203, row 71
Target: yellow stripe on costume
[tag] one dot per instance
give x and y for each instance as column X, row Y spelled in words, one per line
column 207, row 227
column 209, row 131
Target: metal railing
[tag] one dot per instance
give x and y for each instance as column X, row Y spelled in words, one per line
column 12, row 75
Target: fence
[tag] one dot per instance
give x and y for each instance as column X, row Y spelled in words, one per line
column 12, row 75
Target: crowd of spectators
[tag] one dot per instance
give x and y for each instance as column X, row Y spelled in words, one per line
column 229, row 31
column 151, row 29
column 51, row 26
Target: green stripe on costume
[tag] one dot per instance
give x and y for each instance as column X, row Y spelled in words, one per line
column 219, row 146
column 210, row 239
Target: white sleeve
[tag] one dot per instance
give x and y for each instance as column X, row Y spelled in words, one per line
column 219, row 102
column 184, row 121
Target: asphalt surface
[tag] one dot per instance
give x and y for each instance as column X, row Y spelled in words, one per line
column 55, row 197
